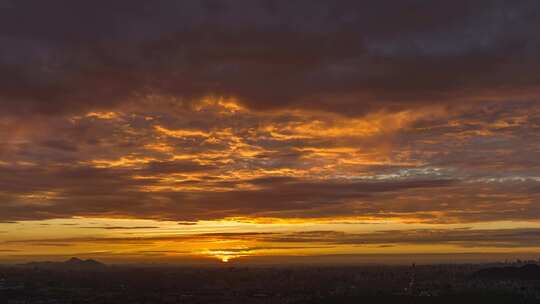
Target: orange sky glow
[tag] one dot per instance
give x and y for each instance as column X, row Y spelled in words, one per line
column 269, row 131
column 255, row 184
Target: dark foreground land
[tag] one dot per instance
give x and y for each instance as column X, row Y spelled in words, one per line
column 79, row 281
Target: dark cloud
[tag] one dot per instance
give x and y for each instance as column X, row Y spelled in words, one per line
column 171, row 167
column 259, row 248
column 52, row 244
column 60, row 145
column 187, row 223
column 161, row 156
column 151, row 239
column 100, row 192
column 162, row 252
column 120, row 227
column 345, row 56
column 461, row 237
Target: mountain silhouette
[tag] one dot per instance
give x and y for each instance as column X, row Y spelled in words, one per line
column 73, row 263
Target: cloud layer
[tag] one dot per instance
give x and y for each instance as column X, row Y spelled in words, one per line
column 349, row 57
column 218, row 160
column 263, row 110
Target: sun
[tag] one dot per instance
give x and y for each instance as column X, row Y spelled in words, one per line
column 225, row 256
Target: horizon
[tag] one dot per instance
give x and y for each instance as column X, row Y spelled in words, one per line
column 344, row 260
column 246, row 132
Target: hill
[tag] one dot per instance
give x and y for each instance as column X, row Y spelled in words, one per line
column 71, row 264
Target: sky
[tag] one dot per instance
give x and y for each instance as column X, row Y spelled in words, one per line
column 237, row 131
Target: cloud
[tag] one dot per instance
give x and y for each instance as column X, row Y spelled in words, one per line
column 332, row 56
column 206, row 110
column 89, row 192
column 463, row 237
column 179, row 166
column 120, row 227
column 460, row 237
column 203, row 237
column 187, row 223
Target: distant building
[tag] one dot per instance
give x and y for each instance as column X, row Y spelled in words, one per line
column 412, row 281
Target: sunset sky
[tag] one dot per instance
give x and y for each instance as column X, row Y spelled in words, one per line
column 255, row 130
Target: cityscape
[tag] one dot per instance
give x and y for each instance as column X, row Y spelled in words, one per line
column 89, row 281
